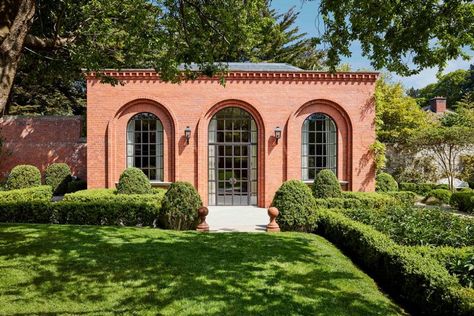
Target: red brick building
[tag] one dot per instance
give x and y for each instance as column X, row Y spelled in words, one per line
column 235, row 142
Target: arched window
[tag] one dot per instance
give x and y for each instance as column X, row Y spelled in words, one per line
column 319, row 145
column 145, row 145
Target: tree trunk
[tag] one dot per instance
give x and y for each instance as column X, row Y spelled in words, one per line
column 11, row 46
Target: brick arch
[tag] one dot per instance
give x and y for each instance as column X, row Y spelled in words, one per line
column 116, row 137
column 203, row 126
column 344, row 137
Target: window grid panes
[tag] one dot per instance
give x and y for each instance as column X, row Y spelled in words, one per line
column 319, row 145
column 145, row 145
column 232, row 158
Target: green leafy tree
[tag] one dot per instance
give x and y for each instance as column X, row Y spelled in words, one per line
column 446, row 143
column 464, row 113
column 283, row 42
column 96, row 34
column 453, row 86
column 396, row 34
column 48, row 78
column 397, row 115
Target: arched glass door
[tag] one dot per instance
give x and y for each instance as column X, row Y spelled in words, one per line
column 232, row 158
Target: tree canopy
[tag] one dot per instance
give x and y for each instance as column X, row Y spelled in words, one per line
column 136, row 33
column 397, row 115
column 453, row 85
column 447, row 144
column 401, row 36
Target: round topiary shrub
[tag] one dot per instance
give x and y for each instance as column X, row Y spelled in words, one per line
column 23, row 176
column 133, row 181
column 179, row 208
column 297, row 207
column 326, row 185
column 58, row 175
column 438, row 196
column 384, row 182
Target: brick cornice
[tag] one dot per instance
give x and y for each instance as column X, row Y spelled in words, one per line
column 145, row 74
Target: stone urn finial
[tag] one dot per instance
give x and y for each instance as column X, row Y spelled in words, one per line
column 202, row 213
column 273, row 225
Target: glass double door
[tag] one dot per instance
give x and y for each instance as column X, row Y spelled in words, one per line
column 233, row 174
column 232, row 158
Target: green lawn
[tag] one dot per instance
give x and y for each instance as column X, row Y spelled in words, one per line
column 101, row 270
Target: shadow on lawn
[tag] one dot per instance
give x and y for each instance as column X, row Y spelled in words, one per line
column 150, row 271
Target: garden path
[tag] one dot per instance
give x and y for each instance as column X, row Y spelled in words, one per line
column 237, row 219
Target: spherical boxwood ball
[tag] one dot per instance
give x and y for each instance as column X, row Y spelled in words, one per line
column 297, row 207
column 179, row 209
column 58, row 175
column 384, row 182
column 23, row 176
column 133, row 181
column 326, row 185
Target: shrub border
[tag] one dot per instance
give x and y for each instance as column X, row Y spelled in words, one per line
column 422, row 284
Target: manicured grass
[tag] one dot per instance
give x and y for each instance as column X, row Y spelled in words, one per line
column 103, row 270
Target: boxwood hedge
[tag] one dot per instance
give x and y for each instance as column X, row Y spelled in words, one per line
column 464, row 201
column 58, row 175
column 297, row 207
column 180, row 207
column 384, row 182
column 23, row 176
column 40, row 193
column 90, row 207
column 421, row 283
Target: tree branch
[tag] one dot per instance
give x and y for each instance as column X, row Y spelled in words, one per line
column 32, row 41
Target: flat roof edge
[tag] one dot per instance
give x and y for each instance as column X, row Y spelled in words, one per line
column 304, row 75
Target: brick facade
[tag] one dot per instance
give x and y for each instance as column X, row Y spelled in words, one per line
column 42, row 140
column 283, row 99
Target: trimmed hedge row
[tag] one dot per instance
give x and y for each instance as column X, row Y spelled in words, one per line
column 438, row 196
column 39, row 193
column 421, row 283
column 37, row 212
column 90, row 213
column 421, row 188
column 365, row 200
column 458, row 261
column 464, row 201
column 111, row 195
column 415, row 226
column 372, row 199
column 117, row 212
column 405, row 198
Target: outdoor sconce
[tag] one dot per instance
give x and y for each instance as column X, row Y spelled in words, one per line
column 187, row 134
column 277, row 133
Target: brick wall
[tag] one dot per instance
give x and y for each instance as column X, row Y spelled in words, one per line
column 42, row 140
column 281, row 99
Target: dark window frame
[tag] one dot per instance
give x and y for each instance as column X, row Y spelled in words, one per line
column 146, row 154
column 319, row 145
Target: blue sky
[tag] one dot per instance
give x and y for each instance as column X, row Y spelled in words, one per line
column 308, row 22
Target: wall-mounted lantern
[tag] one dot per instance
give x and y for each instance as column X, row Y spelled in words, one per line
column 277, row 133
column 187, row 134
